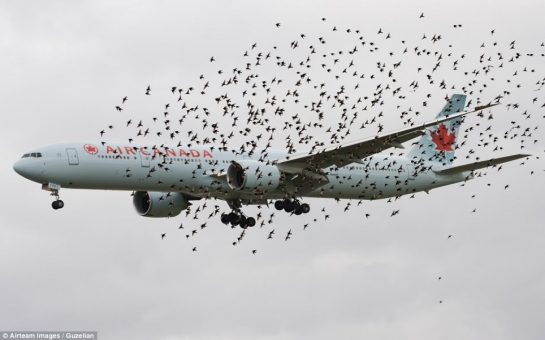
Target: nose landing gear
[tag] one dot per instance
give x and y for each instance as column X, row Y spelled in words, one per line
column 57, row 203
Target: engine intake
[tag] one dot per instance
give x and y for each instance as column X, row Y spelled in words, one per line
column 159, row 204
column 253, row 175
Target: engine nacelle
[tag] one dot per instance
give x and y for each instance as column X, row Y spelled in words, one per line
column 159, row 204
column 253, row 175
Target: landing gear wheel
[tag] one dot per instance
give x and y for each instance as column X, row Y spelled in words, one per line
column 58, row 204
column 243, row 222
column 279, row 205
column 288, row 206
column 225, row 219
column 298, row 211
column 234, row 218
column 305, row 208
column 250, row 221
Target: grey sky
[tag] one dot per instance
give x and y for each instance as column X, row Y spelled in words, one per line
column 97, row 265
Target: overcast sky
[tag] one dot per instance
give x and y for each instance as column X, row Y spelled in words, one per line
column 96, row 265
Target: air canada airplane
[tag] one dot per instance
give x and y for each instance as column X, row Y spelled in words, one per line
column 165, row 179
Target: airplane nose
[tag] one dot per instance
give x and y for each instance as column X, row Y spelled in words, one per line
column 19, row 168
column 25, row 169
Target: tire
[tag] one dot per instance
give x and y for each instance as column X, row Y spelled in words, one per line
column 305, row 208
column 55, row 205
column 279, row 205
column 243, row 221
column 234, row 218
column 288, row 206
column 250, row 221
column 298, row 211
column 60, row 204
column 224, row 218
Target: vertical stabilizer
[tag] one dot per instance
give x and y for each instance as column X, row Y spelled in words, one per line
column 439, row 142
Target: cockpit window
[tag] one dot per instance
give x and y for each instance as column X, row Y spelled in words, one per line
column 34, row 154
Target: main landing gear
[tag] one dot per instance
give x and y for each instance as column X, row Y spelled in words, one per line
column 239, row 219
column 292, row 206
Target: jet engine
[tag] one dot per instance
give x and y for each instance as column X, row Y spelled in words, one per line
column 159, row 204
column 250, row 175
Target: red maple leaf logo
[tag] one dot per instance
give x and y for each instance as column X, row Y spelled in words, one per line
column 442, row 139
column 91, row 149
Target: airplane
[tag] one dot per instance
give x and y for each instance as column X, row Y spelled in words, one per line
column 164, row 180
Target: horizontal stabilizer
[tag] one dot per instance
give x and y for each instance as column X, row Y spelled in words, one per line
column 478, row 165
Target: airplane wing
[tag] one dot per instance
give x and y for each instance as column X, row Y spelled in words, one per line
column 353, row 152
column 478, row 165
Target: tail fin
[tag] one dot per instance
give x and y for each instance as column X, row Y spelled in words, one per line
column 439, row 141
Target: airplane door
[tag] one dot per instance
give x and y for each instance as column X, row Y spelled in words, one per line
column 410, row 171
column 72, row 156
column 145, row 160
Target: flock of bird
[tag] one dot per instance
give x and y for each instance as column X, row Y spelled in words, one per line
column 344, row 85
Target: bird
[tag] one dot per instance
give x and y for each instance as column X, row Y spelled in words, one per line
column 163, row 236
column 266, row 99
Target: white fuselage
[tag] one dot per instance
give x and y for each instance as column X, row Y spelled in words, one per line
column 139, row 167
